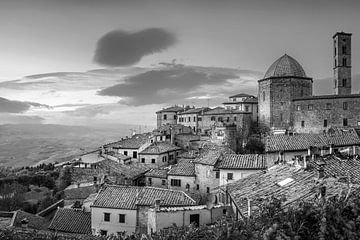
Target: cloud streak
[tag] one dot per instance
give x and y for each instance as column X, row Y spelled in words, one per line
column 121, row 48
column 10, row 106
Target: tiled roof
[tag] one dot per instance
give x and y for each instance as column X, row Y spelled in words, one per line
column 131, row 171
column 171, row 109
column 246, row 100
column 35, row 222
column 158, row 173
column 183, row 168
column 339, row 137
column 302, row 185
column 211, row 153
column 128, row 197
column 71, row 221
column 338, row 167
column 220, row 110
column 195, row 110
column 79, row 193
column 243, row 161
column 241, row 95
column 160, row 147
column 133, row 142
column 285, row 66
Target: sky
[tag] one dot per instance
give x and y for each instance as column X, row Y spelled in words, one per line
column 90, row 62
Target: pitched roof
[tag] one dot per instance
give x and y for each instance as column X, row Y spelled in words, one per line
column 221, row 110
column 171, row 109
column 71, row 221
column 35, row 222
column 131, row 171
column 243, row 161
column 245, row 100
column 195, row 110
column 160, row 147
column 299, row 185
column 129, row 197
column 79, row 193
column 157, row 172
column 134, row 142
column 211, row 153
column 241, row 95
column 183, row 168
column 338, row 137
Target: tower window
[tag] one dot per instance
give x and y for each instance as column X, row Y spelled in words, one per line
column 335, row 51
column 345, row 105
column 310, row 107
column 335, row 63
column 328, row 106
column 344, row 62
column 281, row 117
column 302, row 92
column 344, row 82
column 165, row 116
column 263, row 96
column 345, row 122
column 343, row 49
column 302, row 123
column 325, row 123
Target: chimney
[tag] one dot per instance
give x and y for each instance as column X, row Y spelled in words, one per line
column 321, row 169
column 157, row 204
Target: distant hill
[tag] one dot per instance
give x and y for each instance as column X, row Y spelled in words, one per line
column 29, row 144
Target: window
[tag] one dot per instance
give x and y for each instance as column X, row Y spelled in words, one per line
column 163, row 182
column 171, row 157
column 143, row 160
column 212, row 119
column 164, row 158
column 189, row 119
column 234, row 119
column 343, row 49
column 175, row 182
column 334, row 50
column 281, row 117
column 121, row 218
column 298, row 107
column 134, row 154
column 263, row 96
column 197, row 187
column 106, row 217
column 345, row 105
column 165, row 117
column 302, row 123
column 217, row 174
column 194, row 119
column 328, row 106
column 345, row 122
column 230, row 176
column 344, row 62
column 174, row 117
column 153, row 160
column 310, row 107
column 224, row 211
column 199, row 119
column 228, row 119
column 325, row 123
column 187, row 186
column 207, row 190
column 344, row 82
column 246, row 108
column 125, row 153
column 335, row 63
column 220, row 119
column 150, row 181
column 234, row 99
column 103, row 232
column 302, row 92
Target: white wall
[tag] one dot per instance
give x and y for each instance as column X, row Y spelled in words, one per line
column 237, row 174
column 184, row 180
column 97, row 220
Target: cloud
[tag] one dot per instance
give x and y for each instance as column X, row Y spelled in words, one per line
column 9, row 106
column 9, row 118
column 121, row 48
column 177, row 83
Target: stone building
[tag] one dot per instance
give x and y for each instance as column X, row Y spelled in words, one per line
column 243, row 102
column 168, row 115
column 192, row 117
column 286, row 101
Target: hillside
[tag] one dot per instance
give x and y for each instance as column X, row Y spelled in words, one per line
column 28, row 144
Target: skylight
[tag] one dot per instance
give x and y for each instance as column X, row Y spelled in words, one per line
column 285, row 182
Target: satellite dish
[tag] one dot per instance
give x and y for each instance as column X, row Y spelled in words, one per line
column 211, row 201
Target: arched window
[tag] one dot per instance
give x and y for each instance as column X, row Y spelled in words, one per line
column 263, row 96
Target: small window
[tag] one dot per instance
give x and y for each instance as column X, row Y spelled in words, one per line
column 335, row 63
column 153, row 160
column 207, row 190
column 325, row 123
column 344, row 62
column 103, row 232
column 106, row 217
column 199, row 119
column 150, row 181
column 165, row 117
column 175, row 182
column 220, row 119
column 143, row 160
column 234, row 119
column 197, row 187
column 246, row 108
column 224, row 211
column 302, row 92
column 264, row 96
column 228, row 119
column 328, row 106
column 163, row 182
column 187, row 186
column 302, row 123
column 230, row 176
column 174, row 117
column 164, row 158
column 217, row 174
column 281, row 117
column 212, row 119
column 194, row 119
column 345, row 105
column 344, row 82
column 121, row 218
column 343, row 49
column 125, row 153
column 345, row 122
column 310, row 107
column 298, row 107
column 134, row 154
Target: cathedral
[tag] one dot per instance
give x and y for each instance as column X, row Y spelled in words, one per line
column 286, row 102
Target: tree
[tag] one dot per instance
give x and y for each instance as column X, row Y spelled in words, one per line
column 254, row 145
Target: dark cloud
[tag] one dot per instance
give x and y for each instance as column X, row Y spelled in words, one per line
column 121, row 48
column 10, row 106
column 165, row 85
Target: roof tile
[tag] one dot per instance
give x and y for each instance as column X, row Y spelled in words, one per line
column 243, row 161
column 71, row 221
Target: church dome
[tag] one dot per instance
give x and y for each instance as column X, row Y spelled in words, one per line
column 285, row 66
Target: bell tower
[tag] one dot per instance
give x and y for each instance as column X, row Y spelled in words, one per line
column 342, row 63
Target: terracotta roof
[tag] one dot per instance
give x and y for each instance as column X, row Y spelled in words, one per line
column 221, row 110
column 71, row 221
column 183, row 168
column 35, row 222
column 158, row 173
column 133, row 142
column 160, row 147
column 339, row 137
column 79, row 193
column 131, row 171
column 171, row 109
column 128, row 197
column 243, row 161
column 285, row 66
column 210, row 154
column 195, row 110
column 343, row 168
column 299, row 185
column 241, row 95
column 246, row 100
